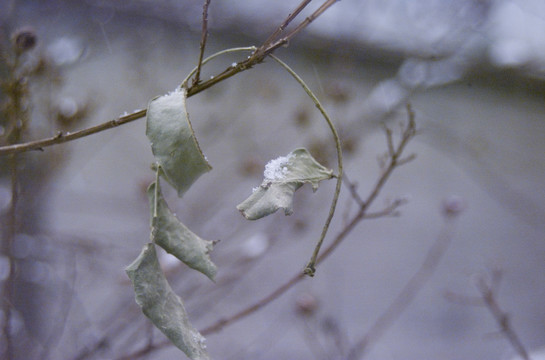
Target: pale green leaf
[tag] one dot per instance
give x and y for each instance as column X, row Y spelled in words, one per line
column 164, row 308
column 173, row 141
column 282, row 177
column 173, row 236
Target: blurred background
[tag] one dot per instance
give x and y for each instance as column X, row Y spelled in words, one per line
column 474, row 72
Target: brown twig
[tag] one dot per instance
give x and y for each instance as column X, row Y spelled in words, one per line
column 274, row 36
column 256, row 58
column 488, row 295
column 61, row 137
column 304, row 24
column 264, row 50
column 407, row 135
column 204, row 36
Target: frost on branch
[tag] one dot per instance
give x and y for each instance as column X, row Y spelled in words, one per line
column 173, row 141
column 164, row 308
column 282, row 177
column 173, row 236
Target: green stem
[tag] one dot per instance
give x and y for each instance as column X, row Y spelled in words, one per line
column 310, row 268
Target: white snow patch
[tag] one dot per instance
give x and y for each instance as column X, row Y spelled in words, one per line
column 277, row 169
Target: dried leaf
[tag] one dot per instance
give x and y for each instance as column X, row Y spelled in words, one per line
column 173, row 236
column 282, row 177
column 173, row 141
column 164, row 308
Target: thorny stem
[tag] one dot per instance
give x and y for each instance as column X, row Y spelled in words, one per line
column 310, row 268
column 204, row 35
column 407, row 135
column 257, row 57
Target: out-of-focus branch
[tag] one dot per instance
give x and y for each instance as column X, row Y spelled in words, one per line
column 488, row 295
column 407, row 294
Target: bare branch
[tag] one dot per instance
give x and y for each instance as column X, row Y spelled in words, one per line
column 390, row 210
column 204, row 36
column 61, row 137
column 501, row 317
column 256, row 58
column 286, row 22
column 389, row 140
column 282, row 41
column 352, row 187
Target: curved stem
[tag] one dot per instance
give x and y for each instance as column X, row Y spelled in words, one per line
column 211, row 57
column 310, row 268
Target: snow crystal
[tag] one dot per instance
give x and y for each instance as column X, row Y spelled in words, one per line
column 198, row 338
column 234, row 64
column 277, row 169
column 175, row 91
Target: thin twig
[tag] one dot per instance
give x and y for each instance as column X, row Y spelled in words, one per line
column 257, row 57
column 389, row 210
column 501, row 317
column 301, row 26
column 61, row 137
column 262, row 52
column 274, row 36
column 204, row 36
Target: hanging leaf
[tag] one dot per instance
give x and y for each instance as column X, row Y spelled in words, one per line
column 164, row 308
column 173, row 236
column 173, row 141
column 282, row 177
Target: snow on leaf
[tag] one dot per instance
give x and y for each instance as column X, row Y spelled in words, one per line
column 173, row 141
column 162, row 306
column 282, row 177
column 173, row 236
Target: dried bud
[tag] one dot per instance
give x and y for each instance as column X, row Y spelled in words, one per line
column 24, row 39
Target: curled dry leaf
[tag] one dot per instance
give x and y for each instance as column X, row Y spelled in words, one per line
column 282, row 177
column 162, row 306
column 173, row 236
column 173, row 141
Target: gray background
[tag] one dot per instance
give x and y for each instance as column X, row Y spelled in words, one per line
column 473, row 72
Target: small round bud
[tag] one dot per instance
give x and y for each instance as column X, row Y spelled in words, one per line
column 453, row 205
column 306, row 304
column 24, row 39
